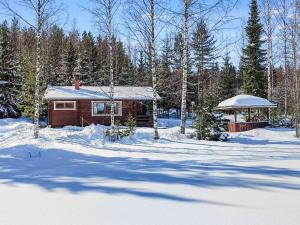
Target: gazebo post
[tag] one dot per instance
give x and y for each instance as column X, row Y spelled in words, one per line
column 249, row 114
column 235, row 116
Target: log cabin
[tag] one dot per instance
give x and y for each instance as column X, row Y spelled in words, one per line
column 84, row 105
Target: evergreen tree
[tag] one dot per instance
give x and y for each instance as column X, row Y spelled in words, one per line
column 208, row 125
column 70, row 57
column 88, row 55
column 102, row 77
column 56, row 57
column 142, row 69
column 165, row 84
column 228, row 81
column 9, row 79
column 122, row 64
column 176, row 69
column 253, row 66
column 203, row 45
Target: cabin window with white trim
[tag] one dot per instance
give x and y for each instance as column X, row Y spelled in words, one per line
column 103, row 108
column 65, row 105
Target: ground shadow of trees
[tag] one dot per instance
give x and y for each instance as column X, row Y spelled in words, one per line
column 58, row 168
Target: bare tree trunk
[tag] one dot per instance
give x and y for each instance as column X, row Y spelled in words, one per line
column 269, row 52
column 111, row 71
column 153, row 70
column 285, row 39
column 185, row 65
column 294, row 45
column 38, row 73
column 103, row 10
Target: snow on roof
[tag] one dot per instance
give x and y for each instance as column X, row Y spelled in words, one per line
column 98, row 92
column 245, row 101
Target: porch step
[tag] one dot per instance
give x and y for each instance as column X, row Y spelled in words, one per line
column 144, row 121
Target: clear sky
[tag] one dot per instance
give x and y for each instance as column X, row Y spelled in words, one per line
column 75, row 15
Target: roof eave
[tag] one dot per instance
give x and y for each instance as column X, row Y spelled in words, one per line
column 245, row 107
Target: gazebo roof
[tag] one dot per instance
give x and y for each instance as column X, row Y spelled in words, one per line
column 245, row 102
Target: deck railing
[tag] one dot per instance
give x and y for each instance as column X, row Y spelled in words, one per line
column 244, row 126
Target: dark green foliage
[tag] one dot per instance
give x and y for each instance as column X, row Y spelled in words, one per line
column 203, row 46
column 70, row 57
column 56, row 75
column 253, row 60
column 130, row 124
column 208, row 125
column 26, row 97
column 228, row 80
column 87, row 59
column 123, row 131
column 10, row 80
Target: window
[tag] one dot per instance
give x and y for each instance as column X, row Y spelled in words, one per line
column 103, row 108
column 69, row 105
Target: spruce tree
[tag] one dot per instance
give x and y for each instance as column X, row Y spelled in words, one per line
column 70, row 57
column 56, row 57
column 9, row 79
column 228, row 80
column 203, row 45
column 88, row 55
column 253, row 66
column 165, row 85
column 176, row 68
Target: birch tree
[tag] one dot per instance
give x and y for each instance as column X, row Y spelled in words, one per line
column 43, row 11
column 192, row 11
column 104, row 11
column 153, row 70
column 142, row 23
column 295, row 33
column 268, row 30
column 283, row 20
column 186, row 8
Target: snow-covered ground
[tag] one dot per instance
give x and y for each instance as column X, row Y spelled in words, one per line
column 72, row 176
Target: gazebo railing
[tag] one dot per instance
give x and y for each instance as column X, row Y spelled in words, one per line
column 244, row 126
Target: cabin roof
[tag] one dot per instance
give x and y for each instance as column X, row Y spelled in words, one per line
column 245, row 101
column 98, row 93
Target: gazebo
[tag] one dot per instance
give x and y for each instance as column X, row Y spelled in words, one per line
column 241, row 103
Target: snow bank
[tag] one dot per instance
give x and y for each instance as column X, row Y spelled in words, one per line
column 73, row 176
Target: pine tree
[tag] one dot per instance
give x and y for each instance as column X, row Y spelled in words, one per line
column 227, row 87
column 255, row 81
column 9, row 79
column 203, row 45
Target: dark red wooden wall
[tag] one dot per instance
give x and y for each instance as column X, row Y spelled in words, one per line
column 83, row 113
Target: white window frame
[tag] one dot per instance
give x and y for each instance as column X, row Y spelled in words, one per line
column 64, row 109
column 119, row 110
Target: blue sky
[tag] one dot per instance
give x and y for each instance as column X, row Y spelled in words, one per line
column 75, row 14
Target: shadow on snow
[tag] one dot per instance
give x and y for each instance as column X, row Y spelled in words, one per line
column 69, row 170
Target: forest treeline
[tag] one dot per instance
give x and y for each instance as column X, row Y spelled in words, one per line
column 211, row 75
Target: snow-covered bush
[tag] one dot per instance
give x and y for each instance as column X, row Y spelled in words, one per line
column 208, row 126
column 288, row 122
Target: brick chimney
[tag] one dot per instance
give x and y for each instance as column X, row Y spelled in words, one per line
column 76, row 82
